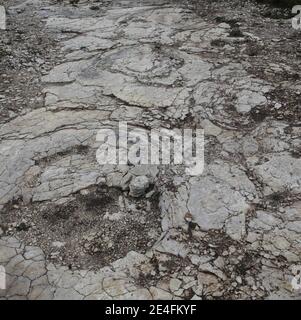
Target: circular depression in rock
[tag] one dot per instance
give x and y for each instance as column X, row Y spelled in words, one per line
column 96, row 227
column 142, row 59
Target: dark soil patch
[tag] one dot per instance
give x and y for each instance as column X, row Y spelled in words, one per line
column 91, row 230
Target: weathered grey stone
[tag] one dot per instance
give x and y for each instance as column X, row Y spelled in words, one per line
column 158, row 70
column 159, row 294
column 280, row 173
column 2, row 18
column 138, row 186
